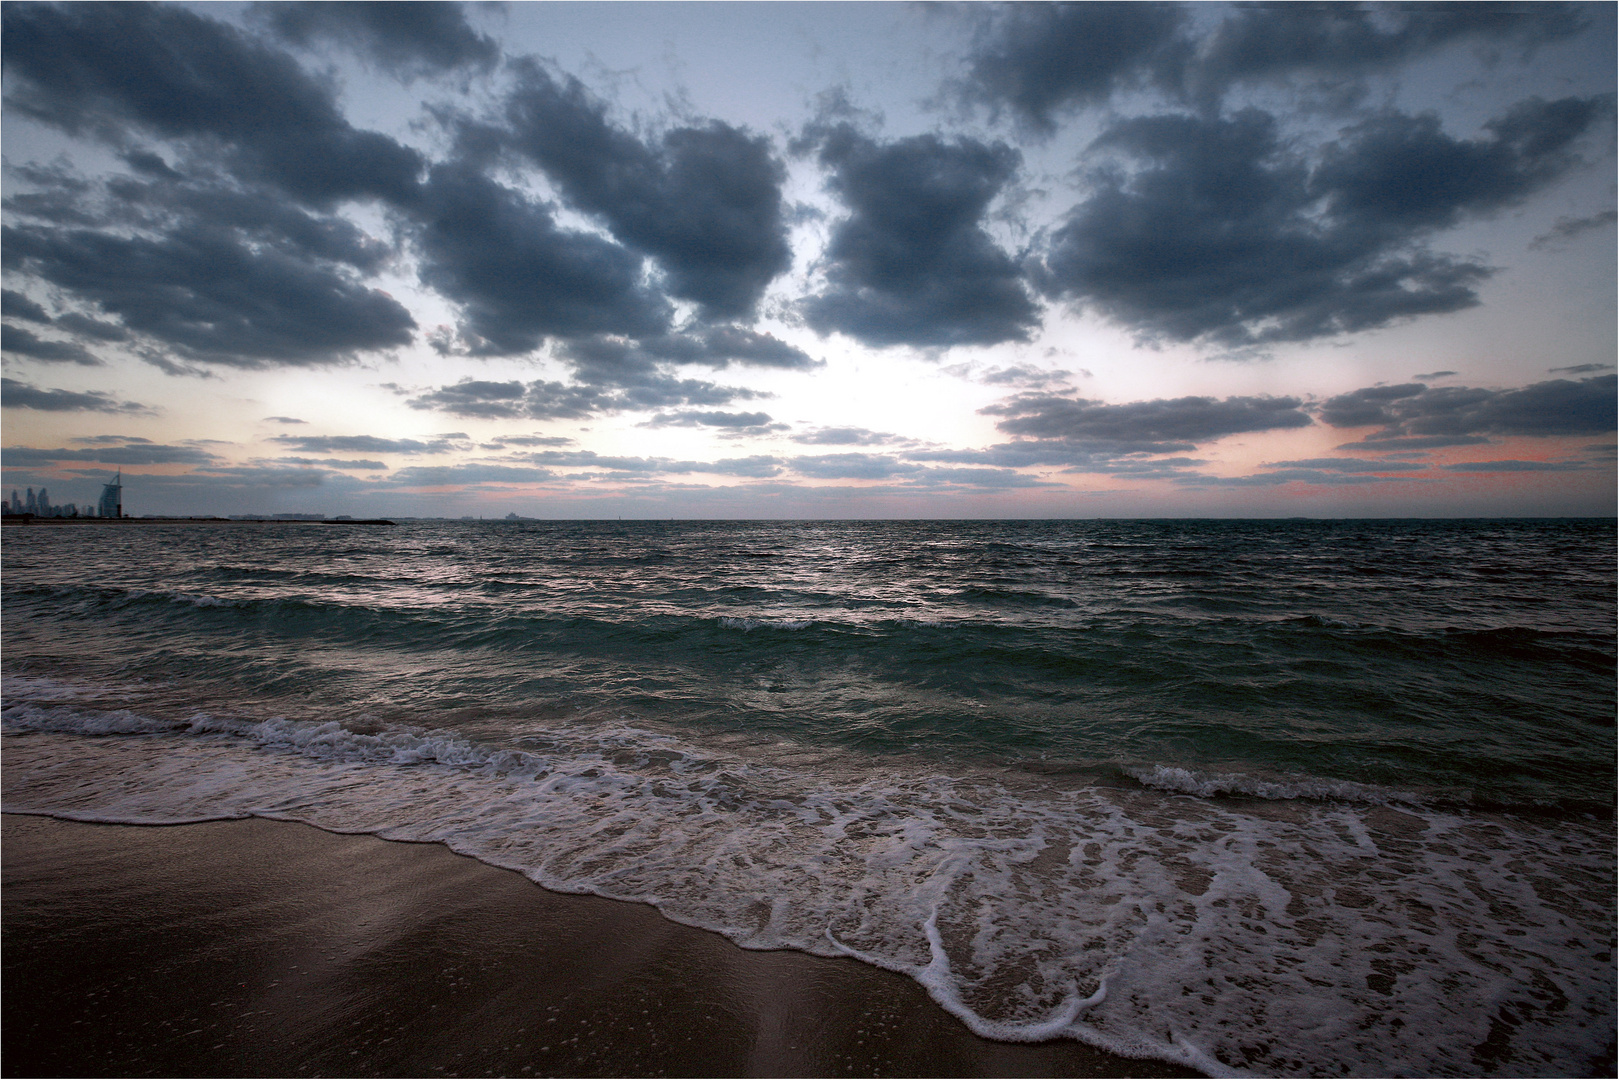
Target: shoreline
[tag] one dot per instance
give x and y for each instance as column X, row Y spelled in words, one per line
column 261, row 947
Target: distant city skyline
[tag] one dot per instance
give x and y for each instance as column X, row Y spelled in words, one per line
column 812, row 260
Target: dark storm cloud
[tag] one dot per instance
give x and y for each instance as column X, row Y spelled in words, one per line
column 406, row 39
column 1329, row 43
column 1402, row 173
column 100, row 69
column 1557, row 407
column 715, row 347
column 704, row 201
column 212, row 295
column 1159, row 425
column 15, row 305
column 206, row 271
column 518, row 278
column 912, row 264
column 140, row 453
column 363, row 444
column 1039, row 60
column 1226, row 234
column 15, row 394
column 538, row 400
column 256, row 215
column 24, row 342
column 94, row 328
column 1035, row 59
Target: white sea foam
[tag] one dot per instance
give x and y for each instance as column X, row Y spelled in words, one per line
column 735, row 623
column 194, row 599
column 1207, row 785
column 1285, row 937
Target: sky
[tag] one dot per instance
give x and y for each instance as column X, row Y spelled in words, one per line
column 811, row 260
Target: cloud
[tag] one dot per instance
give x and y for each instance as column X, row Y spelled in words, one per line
column 912, row 264
column 1328, row 44
column 1411, row 411
column 1432, row 374
column 214, row 296
column 852, row 466
column 704, row 201
column 334, row 463
column 1226, row 234
column 1349, row 465
column 1509, row 465
column 532, row 440
column 518, row 278
column 754, row 423
column 468, row 473
column 21, row 395
column 1037, row 59
column 1567, row 228
column 24, row 342
column 845, row 436
column 605, row 392
column 1160, row 425
column 1041, row 60
column 405, row 39
column 286, row 420
column 363, row 444
column 94, row 328
column 15, row 305
column 610, row 357
column 134, row 453
column 100, row 69
column 758, row 465
column 1575, row 369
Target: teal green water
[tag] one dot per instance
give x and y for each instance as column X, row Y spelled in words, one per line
column 1285, row 798
column 1472, row 660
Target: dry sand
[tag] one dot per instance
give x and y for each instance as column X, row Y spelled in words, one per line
column 253, row 948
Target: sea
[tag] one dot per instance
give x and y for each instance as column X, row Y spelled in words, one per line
column 1258, row 797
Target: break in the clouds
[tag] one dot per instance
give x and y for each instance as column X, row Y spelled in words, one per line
column 722, row 253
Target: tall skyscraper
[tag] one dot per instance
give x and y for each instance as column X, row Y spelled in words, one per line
column 33, row 503
column 112, row 498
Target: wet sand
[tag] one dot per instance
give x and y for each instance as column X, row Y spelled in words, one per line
column 263, row 948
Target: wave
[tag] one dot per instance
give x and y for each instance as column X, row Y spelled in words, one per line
column 1211, row 785
column 1153, row 921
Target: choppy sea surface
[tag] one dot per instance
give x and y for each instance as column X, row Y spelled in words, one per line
column 1260, row 797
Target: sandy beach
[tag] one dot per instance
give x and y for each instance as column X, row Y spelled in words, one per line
column 254, row 947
